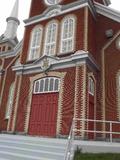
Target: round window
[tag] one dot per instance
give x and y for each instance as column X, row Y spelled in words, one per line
column 52, row 2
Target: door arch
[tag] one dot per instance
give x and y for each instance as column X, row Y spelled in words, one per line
column 43, row 116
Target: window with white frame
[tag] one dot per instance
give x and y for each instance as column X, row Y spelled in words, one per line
column 46, row 85
column 68, row 33
column 35, row 43
column 51, row 39
column 10, row 101
column 91, row 86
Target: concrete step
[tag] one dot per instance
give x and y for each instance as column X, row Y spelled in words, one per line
column 12, row 156
column 36, row 140
column 97, row 146
column 13, row 147
column 32, row 146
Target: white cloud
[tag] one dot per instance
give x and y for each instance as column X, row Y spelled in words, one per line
column 115, row 4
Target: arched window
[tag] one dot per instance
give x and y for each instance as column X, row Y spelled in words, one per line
column 68, row 33
column 45, row 85
column 91, row 86
column 35, row 43
column 50, row 39
column 10, row 101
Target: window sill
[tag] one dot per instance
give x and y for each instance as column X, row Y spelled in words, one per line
column 30, row 61
column 65, row 54
column 6, row 118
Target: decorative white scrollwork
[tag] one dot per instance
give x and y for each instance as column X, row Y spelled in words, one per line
column 52, row 2
column 45, row 64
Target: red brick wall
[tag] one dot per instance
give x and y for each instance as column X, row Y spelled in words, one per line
column 79, row 33
column 10, row 78
column 16, row 91
column 96, row 34
column 7, row 62
column 98, row 93
column 112, row 66
column 80, row 75
column 102, row 25
column 92, row 35
column 68, row 101
column 22, row 104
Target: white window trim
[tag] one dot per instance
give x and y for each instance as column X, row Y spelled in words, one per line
column 30, row 42
column 49, row 78
column 92, row 92
column 52, row 3
column 46, row 33
column 53, row 13
column 74, row 33
column 10, row 101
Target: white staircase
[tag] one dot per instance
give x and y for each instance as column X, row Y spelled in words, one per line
column 14, row 147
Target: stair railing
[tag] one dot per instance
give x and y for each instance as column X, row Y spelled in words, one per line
column 68, row 153
column 112, row 130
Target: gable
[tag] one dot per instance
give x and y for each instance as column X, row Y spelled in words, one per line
column 38, row 7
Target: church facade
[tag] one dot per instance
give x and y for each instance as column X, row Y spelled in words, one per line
column 67, row 66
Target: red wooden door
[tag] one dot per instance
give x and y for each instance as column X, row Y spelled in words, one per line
column 91, row 116
column 44, row 114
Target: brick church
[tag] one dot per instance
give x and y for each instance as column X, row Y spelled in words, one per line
column 67, row 66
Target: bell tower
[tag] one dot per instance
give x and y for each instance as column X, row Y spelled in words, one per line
column 8, row 39
column 12, row 22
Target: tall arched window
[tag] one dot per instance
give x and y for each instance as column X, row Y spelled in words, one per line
column 35, row 43
column 10, row 101
column 91, row 86
column 68, row 33
column 50, row 39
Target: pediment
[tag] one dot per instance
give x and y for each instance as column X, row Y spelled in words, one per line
column 45, row 62
column 52, row 11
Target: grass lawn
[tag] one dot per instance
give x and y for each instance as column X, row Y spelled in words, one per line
column 87, row 156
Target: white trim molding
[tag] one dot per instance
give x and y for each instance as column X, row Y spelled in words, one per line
column 36, row 38
column 67, row 37
column 51, row 36
column 118, row 93
column 45, row 63
column 107, row 12
column 62, row 9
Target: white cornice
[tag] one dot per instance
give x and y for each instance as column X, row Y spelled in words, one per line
column 107, row 2
column 107, row 12
column 80, row 57
column 64, row 9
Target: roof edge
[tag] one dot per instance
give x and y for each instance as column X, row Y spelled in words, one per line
column 107, row 12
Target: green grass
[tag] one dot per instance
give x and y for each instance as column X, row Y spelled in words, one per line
column 88, row 156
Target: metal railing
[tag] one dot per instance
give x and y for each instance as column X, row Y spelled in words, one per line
column 109, row 130
column 70, row 143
